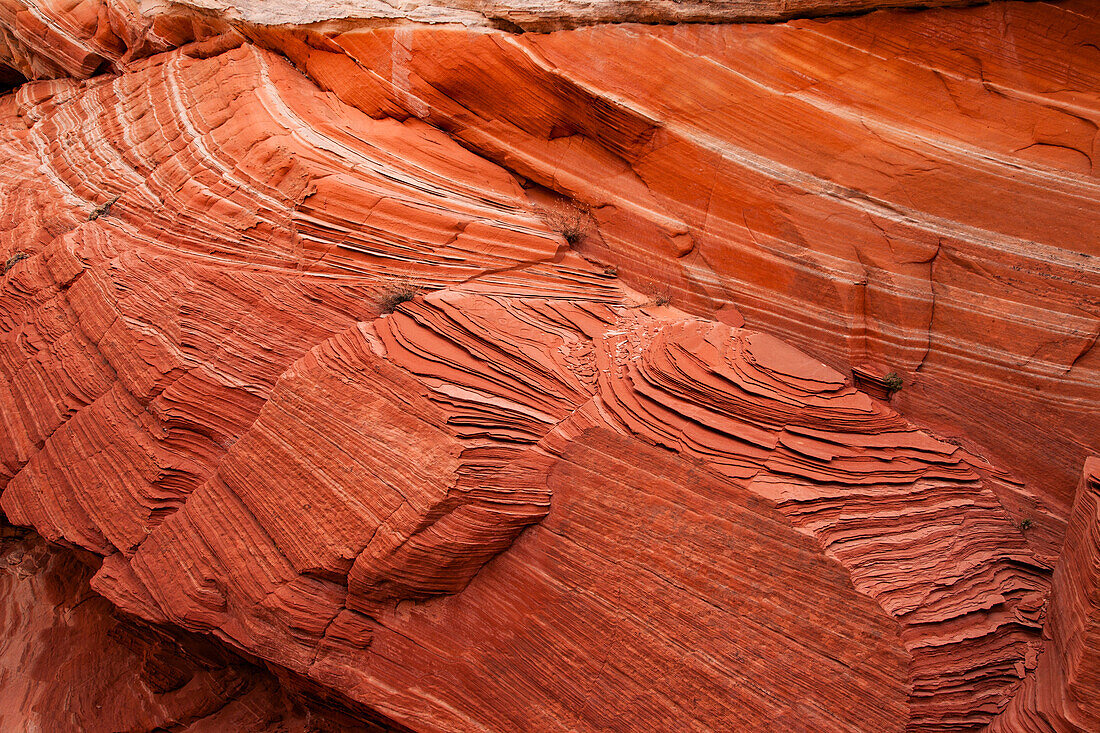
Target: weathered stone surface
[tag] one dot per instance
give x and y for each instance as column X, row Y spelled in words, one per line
column 916, row 190
column 45, row 39
column 1075, row 613
column 1061, row 694
column 430, row 365
column 68, row 663
column 540, row 15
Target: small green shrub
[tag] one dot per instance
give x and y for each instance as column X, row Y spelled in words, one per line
column 395, row 295
column 892, row 382
column 1025, row 525
column 662, row 299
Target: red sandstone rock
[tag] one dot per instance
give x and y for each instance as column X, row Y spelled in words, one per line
column 910, row 206
column 67, row 663
column 531, row 497
column 1061, row 694
column 47, row 39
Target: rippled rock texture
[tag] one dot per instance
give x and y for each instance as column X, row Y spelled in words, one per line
column 472, row 380
column 68, row 661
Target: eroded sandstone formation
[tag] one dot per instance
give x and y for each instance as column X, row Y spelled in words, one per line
column 50, row 38
column 69, row 662
column 435, row 366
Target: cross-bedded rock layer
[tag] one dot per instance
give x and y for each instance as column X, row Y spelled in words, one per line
column 45, row 39
column 532, row 496
column 916, row 192
column 69, row 662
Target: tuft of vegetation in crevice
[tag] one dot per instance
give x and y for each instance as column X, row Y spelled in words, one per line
column 104, row 209
column 893, row 382
column 567, row 220
column 15, row 258
column 396, row 294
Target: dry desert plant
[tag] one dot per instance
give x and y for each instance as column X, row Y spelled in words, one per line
column 395, row 294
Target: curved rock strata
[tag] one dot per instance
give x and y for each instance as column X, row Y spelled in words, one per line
column 67, row 662
column 913, row 190
column 870, row 197
column 47, row 39
column 903, row 192
column 381, row 385
column 1061, row 694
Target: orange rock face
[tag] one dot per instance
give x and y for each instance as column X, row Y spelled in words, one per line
column 70, row 663
column 438, row 369
column 911, row 190
column 46, row 39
